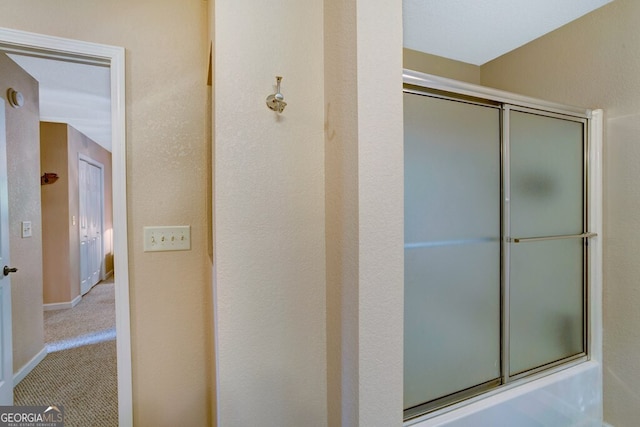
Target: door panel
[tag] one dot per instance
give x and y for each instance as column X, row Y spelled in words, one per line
column 95, row 225
column 452, row 247
column 547, row 162
column 546, row 295
column 83, row 229
column 6, row 354
column 546, row 286
column 91, row 252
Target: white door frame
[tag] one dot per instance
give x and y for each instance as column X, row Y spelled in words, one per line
column 114, row 57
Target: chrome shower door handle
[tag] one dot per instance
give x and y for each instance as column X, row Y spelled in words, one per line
column 545, row 238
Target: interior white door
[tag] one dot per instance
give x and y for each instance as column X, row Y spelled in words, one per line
column 91, row 252
column 6, row 355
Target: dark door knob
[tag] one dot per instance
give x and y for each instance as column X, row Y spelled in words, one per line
column 8, row 270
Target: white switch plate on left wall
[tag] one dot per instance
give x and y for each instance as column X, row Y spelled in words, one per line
column 26, row 229
column 167, row 238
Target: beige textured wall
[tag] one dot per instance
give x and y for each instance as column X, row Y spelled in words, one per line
column 593, row 62
column 60, row 146
column 56, row 219
column 166, row 53
column 439, row 66
column 380, row 212
column 341, row 212
column 23, row 170
column 269, row 214
column 301, row 349
column 210, row 125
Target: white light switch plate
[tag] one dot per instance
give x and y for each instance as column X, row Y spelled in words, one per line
column 26, row 229
column 167, row 238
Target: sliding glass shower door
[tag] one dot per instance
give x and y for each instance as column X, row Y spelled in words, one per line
column 495, row 245
column 546, row 238
column 452, row 247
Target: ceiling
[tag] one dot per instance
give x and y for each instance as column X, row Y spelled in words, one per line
column 477, row 31
column 471, row 31
column 74, row 93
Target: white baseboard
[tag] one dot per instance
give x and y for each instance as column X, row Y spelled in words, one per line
column 28, row 367
column 62, row 305
column 606, row 425
column 108, row 274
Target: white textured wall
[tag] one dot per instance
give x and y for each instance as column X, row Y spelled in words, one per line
column 380, row 211
column 341, row 199
column 298, row 342
column 269, row 214
column 364, row 208
column 594, row 62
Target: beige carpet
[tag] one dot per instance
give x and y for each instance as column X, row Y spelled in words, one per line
column 95, row 313
column 81, row 377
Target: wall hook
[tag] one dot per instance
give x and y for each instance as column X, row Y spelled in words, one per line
column 275, row 101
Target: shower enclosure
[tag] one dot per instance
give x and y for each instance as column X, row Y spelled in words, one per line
column 497, row 241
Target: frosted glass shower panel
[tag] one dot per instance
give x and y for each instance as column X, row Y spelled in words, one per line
column 452, row 320
column 452, row 170
column 546, row 300
column 546, row 296
column 547, row 162
column 452, row 247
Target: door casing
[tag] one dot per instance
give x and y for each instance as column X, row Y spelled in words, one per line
column 113, row 56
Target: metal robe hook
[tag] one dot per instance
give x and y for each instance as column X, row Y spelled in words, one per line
column 275, row 101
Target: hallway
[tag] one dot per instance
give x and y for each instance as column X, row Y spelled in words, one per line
column 79, row 371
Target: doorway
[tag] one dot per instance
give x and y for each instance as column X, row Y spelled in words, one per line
column 44, row 46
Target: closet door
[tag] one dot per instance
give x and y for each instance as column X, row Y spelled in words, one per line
column 547, row 244
column 90, row 214
column 452, row 249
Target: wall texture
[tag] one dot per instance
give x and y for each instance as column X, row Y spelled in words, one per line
column 341, row 210
column 56, row 219
column 23, row 170
column 269, row 214
column 308, row 342
column 380, row 212
column 166, row 100
column 593, row 62
column 269, row 193
column 60, row 145
column 439, row 66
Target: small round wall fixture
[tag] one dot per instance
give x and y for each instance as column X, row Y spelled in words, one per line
column 15, row 98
